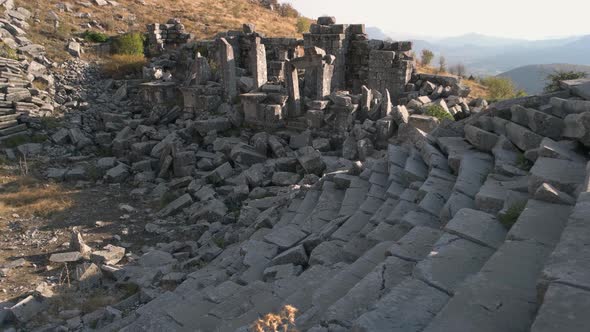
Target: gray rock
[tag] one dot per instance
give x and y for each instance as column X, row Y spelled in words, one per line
column 477, row 226
column 564, row 308
column 285, row 178
column 295, row 256
column 27, row 308
column 550, row 194
column 311, row 160
column 65, row 257
column 117, row 174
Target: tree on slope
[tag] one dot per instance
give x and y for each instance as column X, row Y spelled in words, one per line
column 427, row 57
column 561, row 75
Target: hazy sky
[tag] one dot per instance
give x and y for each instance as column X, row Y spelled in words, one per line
column 531, row 19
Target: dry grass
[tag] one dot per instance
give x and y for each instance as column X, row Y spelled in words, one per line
column 27, row 197
column 120, row 65
column 203, row 18
column 284, row 321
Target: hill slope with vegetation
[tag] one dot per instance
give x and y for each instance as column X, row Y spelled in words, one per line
column 202, row 18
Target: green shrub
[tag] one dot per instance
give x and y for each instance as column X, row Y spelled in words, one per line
column 129, row 44
column 7, row 52
column 500, row 88
column 557, row 76
column 438, row 112
column 510, row 217
column 427, row 56
column 95, row 37
column 303, row 24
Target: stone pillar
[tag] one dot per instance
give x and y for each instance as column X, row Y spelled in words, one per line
column 366, row 100
column 227, row 66
column 292, row 80
column 324, row 80
column 258, row 62
column 200, row 72
column 386, row 104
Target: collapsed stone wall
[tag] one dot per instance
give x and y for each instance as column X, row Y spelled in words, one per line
column 166, row 36
column 348, row 61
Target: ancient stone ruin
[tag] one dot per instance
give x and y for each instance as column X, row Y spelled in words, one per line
column 311, row 173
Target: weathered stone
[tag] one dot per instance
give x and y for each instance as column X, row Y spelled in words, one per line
column 66, row 257
column 295, row 256
column 109, row 255
column 311, row 160
column 550, row 194
column 227, row 65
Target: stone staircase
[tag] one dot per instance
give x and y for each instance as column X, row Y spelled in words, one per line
column 414, row 242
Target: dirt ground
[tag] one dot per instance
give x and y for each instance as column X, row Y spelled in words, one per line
column 37, row 218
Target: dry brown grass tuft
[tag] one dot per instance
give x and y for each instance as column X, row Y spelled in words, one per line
column 120, row 65
column 284, row 321
column 27, row 197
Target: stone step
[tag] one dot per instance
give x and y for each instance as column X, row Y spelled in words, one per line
column 543, row 124
column 455, row 148
column 477, row 226
column 569, row 263
column 341, row 283
column 326, row 209
column 473, row 172
column 415, row 169
column 565, row 308
column 8, row 124
column 397, row 155
column 353, row 198
column 451, row 261
column 551, row 171
column 6, row 133
column 307, row 205
column 434, row 158
column 502, row 296
column 367, row 291
column 409, row 307
column 492, row 195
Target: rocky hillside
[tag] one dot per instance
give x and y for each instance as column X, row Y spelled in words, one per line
column 203, row 18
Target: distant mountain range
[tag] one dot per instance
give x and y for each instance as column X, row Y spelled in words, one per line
column 532, row 78
column 486, row 55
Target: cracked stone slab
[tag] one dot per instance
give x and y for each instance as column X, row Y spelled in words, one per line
column 369, row 290
column 479, row 227
column 564, row 308
column 451, row 260
column 416, row 244
column 409, row 307
column 540, row 222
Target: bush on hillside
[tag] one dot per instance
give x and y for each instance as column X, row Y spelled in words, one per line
column 500, row 88
column 129, row 44
column 287, row 10
column 303, row 24
column 95, row 37
column 438, row 112
column 557, row 76
column 121, row 65
column 427, row 57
